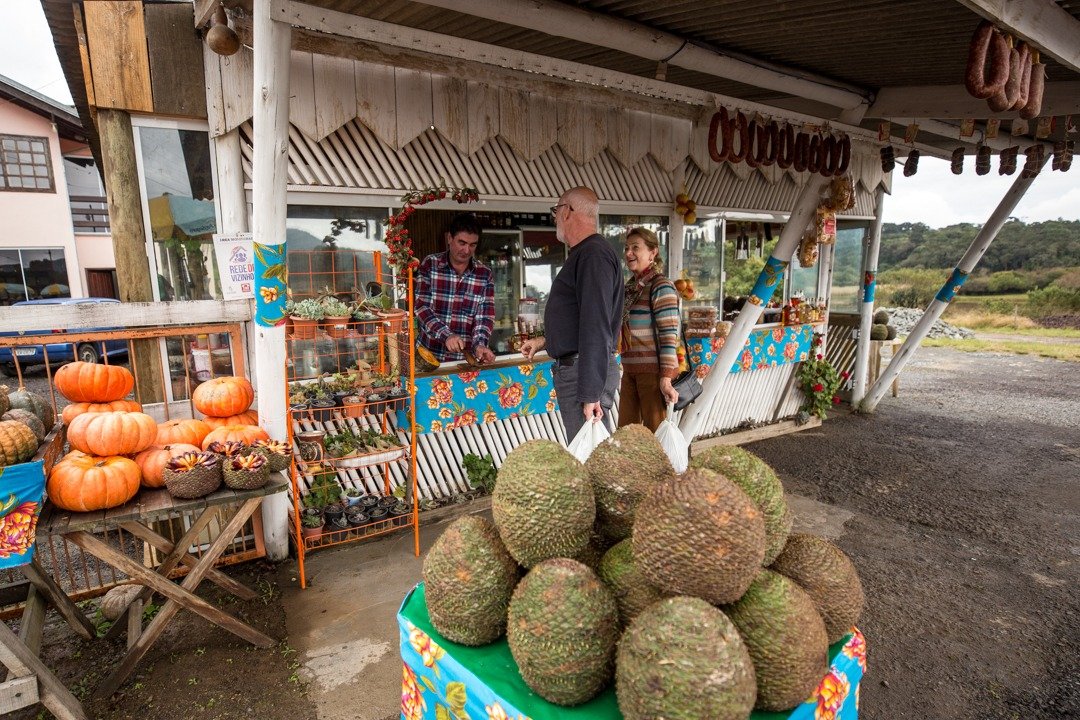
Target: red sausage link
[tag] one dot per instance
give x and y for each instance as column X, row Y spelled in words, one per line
column 844, row 148
column 751, row 140
column 813, row 156
column 744, row 139
column 802, row 152
column 785, row 147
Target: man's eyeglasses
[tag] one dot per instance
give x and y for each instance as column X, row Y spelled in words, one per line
column 555, row 208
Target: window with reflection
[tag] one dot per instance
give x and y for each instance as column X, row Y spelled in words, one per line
column 178, row 177
column 847, row 267
column 615, row 227
column 319, row 259
column 703, row 262
column 804, row 281
column 32, row 274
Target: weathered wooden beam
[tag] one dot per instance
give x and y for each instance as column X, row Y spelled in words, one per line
column 952, row 102
column 203, row 10
column 1042, row 23
column 23, row 663
column 125, row 315
column 129, row 235
column 561, row 19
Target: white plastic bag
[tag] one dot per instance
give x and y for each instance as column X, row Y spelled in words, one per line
column 673, row 442
column 588, row 437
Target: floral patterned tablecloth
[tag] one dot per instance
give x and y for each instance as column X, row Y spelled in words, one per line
column 442, row 680
column 21, row 495
column 766, row 347
column 480, row 396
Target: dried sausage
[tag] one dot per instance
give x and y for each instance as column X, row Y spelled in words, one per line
column 888, row 159
column 813, row 155
column 751, row 140
column 720, row 126
column 843, row 146
column 957, row 166
column 1025, row 77
column 828, row 156
column 985, row 42
column 911, row 165
column 768, row 137
column 802, row 151
column 744, row 139
column 982, row 160
column 1007, row 165
column 785, row 147
column 1007, row 96
column 1035, row 89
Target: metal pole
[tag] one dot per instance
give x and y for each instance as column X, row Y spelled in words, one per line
column 269, row 175
column 866, row 310
column 771, row 277
column 945, row 295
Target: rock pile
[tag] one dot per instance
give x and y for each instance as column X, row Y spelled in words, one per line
column 904, row 320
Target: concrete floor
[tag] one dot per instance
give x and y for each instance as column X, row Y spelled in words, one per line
column 344, row 624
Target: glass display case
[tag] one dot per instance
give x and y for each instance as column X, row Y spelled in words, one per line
column 500, row 250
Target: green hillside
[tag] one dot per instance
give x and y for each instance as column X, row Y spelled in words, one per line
column 1019, row 246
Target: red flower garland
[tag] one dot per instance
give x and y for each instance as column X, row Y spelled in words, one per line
column 397, row 237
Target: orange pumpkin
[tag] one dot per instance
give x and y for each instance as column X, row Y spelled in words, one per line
column 248, row 417
column 151, row 462
column 69, row 412
column 223, row 396
column 241, row 433
column 188, row 431
column 112, row 433
column 90, row 382
column 86, row 483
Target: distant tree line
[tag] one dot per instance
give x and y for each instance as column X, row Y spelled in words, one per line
column 1019, row 246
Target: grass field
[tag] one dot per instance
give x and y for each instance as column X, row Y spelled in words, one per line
column 1070, row 353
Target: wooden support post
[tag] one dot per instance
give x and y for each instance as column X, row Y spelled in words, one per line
column 676, row 227
column 133, row 273
column 269, row 177
column 937, row 306
column 771, row 278
column 866, row 309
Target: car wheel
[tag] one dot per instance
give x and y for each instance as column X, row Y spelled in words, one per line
column 8, row 370
column 88, row 353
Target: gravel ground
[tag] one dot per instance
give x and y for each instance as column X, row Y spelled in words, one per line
column 965, row 533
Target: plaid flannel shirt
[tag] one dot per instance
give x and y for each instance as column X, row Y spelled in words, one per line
column 451, row 304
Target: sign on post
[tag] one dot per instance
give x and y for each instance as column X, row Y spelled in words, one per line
column 236, row 265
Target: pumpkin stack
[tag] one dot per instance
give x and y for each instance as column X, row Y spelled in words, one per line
column 104, row 430
column 226, row 401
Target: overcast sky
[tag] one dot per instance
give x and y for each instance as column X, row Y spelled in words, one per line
column 933, row 196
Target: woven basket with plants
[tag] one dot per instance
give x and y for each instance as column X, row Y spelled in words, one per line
column 193, row 475
column 278, row 453
column 246, row 472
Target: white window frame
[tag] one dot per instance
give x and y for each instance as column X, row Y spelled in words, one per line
column 139, row 122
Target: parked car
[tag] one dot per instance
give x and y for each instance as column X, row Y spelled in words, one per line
column 58, row 351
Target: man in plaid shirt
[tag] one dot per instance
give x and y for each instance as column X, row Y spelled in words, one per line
column 455, row 296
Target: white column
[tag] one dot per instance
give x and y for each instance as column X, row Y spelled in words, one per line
column 676, row 226
column 230, row 173
column 771, row 278
column 269, row 167
column 937, row 306
column 868, row 283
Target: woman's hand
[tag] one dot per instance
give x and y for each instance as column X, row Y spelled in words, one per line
column 532, row 346
column 671, row 395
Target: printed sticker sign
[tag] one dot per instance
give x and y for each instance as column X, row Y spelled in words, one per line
column 236, row 265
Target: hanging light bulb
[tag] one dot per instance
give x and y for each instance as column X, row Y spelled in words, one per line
column 221, row 38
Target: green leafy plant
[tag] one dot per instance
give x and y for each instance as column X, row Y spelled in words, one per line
column 312, row 521
column 309, row 309
column 332, row 307
column 480, row 471
column 819, row 381
column 324, row 491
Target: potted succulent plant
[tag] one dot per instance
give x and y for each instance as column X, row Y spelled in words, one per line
column 311, row 525
column 306, row 315
column 336, row 316
column 321, row 404
column 352, row 496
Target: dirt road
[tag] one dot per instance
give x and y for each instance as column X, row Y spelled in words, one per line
column 965, row 532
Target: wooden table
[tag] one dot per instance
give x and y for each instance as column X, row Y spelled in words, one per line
column 876, row 346
column 150, row 506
